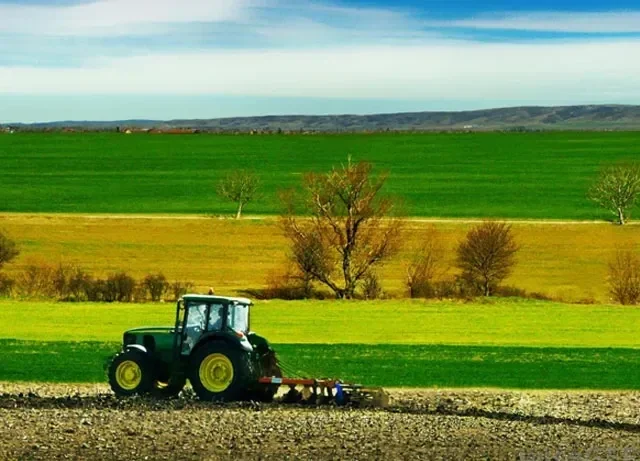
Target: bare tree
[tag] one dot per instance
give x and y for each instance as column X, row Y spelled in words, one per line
column 239, row 187
column 487, row 255
column 350, row 229
column 617, row 189
column 624, row 277
column 8, row 249
column 427, row 263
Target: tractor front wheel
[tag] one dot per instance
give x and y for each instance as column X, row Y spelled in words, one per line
column 130, row 373
column 219, row 372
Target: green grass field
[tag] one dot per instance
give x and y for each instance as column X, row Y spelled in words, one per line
column 532, row 175
column 506, row 343
column 376, row 365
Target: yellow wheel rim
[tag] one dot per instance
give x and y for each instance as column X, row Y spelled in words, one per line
column 216, row 372
column 128, row 375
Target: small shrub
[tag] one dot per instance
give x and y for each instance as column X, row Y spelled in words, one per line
column 155, row 285
column 179, row 289
column 80, row 285
column 624, row 277
column 445, row 289
column 36, row 281
column 454, row 288
column 371, row 288
column 8, row 249
column 508, row 291
column 61, row 281
column 6, row 285
column 96, row 290
column 540, row 296
column 421, row 288
column 587, row 300
column 287, row 285
column 425, row 266
column 119, row 287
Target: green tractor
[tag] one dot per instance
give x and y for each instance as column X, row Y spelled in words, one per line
column 211, row 345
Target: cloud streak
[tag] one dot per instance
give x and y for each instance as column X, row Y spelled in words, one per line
column 118, row 17
column 447, row 70
column 572, row 22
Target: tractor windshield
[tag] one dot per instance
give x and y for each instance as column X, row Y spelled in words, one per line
column 238, row 317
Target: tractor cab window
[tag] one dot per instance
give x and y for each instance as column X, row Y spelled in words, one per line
column 197, row 316
column 238, row 317
column 215, row 317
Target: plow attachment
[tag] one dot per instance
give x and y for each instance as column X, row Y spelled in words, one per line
column 329, row 391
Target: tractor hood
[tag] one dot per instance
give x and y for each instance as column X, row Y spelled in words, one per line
column 149, row 338
column 150, row 330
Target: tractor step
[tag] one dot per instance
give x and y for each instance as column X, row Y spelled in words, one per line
column 328, row 391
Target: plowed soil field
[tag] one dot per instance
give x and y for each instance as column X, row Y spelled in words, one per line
column 86, row 422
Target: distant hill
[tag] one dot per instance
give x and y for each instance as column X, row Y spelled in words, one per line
column 593, row 117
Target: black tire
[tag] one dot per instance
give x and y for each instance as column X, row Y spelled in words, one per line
column 130, row 373
column 211, row 361
column 169, row 389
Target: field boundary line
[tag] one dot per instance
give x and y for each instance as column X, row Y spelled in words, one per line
column 168, row 217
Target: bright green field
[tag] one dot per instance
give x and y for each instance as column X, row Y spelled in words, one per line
column 517, row 344
column 501, row 323
column 531, row 175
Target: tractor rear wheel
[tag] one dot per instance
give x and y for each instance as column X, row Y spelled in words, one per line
column 130, row 373
column 219, row 372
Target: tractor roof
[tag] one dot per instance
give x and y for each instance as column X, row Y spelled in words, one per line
column 214, row 298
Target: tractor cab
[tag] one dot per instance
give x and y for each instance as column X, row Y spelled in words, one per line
column 204, row 317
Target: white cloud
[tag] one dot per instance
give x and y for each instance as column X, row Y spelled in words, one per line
column 446, row 70
column 600, row 22
column 308, row 50
column 114, row 17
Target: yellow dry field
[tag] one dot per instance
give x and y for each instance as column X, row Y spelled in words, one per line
column 564, row 260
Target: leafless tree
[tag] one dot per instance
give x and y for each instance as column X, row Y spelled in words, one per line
column 624, row 277
column 239, row 187
column 350, row 229
column 8, row 249
column 426, row 265
column 617, row 189
column 487, row 255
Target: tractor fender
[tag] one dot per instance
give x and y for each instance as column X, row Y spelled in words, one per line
column 139, row 347
column 227, row 337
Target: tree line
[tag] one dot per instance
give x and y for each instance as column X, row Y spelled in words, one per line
column 341, row 228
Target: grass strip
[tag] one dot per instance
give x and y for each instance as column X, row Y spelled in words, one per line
column 375, row 365
column 498, row 322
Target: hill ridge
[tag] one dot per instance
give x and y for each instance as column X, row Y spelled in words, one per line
column 579, row 117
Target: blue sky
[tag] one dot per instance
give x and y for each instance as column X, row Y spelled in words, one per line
column 163, row 59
